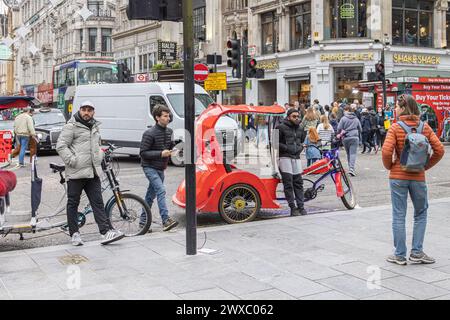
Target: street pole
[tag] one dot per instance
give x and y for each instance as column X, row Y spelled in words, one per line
column 384, row 79
column 244, row 76
column 189, row 119
column 215, row 71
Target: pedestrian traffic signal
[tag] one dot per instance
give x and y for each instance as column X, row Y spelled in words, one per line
column 234, row 57
column 161, row 10
column 379, row 70
column 251, row 67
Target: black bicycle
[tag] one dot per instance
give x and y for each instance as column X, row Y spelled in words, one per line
column 127, row 211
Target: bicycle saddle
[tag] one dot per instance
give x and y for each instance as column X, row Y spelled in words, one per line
column 57, row 167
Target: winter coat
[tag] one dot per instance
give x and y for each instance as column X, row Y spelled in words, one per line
column 23, row 125
column 154, row 141
column 79, row 148
column 306, row 124
column 290, row 140
column 351, row 125
column 366, row 123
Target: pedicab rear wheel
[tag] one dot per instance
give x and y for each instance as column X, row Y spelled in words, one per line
column 239, row 203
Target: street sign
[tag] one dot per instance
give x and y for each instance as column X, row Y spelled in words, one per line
column 216, row 82
column 141, row 77
column 201, row 72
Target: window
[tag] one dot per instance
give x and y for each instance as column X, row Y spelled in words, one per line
column 154, row 100
column 301, row 26
column 346, row 19
column 200, row 24
column 202, row 101
column 412, row 23
column 70, row 80
column 346, row 79
column 81, row 31
column 106, row 40
column 269, row 24
column 92, row 39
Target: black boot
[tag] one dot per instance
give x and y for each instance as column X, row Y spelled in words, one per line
column 295, row 212
column 302, row 211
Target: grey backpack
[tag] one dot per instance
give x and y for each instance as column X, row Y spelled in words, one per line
column 416, row 152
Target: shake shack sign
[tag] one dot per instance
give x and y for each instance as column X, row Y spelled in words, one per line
column 167, row 51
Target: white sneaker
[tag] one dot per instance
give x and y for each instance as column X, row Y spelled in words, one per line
column 76, row 239
column 112, row 236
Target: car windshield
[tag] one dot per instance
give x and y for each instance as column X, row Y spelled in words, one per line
column 202, row 101
column 94, row 73
column 47, row 118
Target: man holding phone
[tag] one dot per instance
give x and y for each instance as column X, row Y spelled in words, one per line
column 156, row 149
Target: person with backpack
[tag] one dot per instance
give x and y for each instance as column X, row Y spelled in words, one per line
column 406, row 154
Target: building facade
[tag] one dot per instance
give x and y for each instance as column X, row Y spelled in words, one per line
column 58, row 34
column 145, row 46
column 323, row 48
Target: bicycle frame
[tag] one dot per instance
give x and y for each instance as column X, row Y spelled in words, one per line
column 335, row 173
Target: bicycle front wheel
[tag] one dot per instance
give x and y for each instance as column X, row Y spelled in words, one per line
column 136, row 217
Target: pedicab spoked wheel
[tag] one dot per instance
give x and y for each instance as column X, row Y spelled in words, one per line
column 348, row 199
column 239, row 203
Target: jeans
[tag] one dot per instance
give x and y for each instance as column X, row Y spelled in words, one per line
column 157, row 190
column 23, row 140
column 93, row 189
column 399, row 195
column 263, row 132
column 351, row 148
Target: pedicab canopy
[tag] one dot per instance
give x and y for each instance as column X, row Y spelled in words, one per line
column 17, row 102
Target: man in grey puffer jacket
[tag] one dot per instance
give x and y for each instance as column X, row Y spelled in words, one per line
column 350, row 129
column 79, row 147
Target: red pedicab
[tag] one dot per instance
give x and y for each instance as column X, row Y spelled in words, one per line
column 239, row 195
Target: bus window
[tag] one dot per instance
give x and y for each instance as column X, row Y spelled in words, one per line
column 55, row 79
column 70, row 81
column 94, row 73
column 62, row 78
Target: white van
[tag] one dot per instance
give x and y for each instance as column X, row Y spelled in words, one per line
column 124, row 110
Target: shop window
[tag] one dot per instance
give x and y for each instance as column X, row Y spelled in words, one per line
column 269, row 26
column 346, row 79
column 412, row 23
column 301, row 26
column 300, row 91
column 346, row 19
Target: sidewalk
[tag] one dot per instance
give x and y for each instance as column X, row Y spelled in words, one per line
column 337, row 255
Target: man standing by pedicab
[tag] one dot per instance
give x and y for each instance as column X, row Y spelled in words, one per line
column 290, row 146
column 79, row 147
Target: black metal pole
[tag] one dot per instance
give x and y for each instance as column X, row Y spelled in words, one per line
column 244, row 80
column 384, row 79
column 189, row 120
column 215, row 71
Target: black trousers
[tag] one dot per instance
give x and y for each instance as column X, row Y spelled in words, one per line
column 367, row 140
column 293, row 189
column 93, row 189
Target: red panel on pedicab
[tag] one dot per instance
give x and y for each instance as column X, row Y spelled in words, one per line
column 319, row 167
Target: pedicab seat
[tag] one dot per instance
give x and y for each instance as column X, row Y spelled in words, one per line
column 8, row 181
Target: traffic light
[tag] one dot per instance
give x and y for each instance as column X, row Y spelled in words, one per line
column 161, row 10
column 379, row 70
column 234, row 57
column 251, row 67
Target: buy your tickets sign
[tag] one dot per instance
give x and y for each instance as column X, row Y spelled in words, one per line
column 216, row 82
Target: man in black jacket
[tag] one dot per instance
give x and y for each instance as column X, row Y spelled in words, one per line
column 290, row 146
column 156, row 148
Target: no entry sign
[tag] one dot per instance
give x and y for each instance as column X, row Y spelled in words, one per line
column 201, row 72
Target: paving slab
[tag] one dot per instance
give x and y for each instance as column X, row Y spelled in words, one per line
column 351, row 286
column 413, row 288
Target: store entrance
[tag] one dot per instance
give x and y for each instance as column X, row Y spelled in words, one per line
column 267, row 92
column 346, row 81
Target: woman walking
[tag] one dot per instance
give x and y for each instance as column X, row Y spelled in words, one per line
column 349, row 129
column 403, row 182
column 326, row 132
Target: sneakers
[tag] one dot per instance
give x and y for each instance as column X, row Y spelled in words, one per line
column 169, row 224
column 295, row 212
column 421, row 258
column 112, row 236
column 76, row 239
column 352, row 173
column 396, row 259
